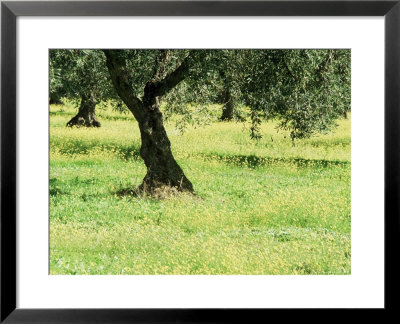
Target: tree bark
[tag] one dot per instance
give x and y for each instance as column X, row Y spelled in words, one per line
column 86, row 115
column 227, row 100
column 227, row 108
column 162, row 169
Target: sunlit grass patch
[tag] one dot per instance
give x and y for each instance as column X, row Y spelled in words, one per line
column 134, row 248
column 261, row 207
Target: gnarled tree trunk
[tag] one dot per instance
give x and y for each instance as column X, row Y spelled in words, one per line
column 86, row 115
column 162, row 169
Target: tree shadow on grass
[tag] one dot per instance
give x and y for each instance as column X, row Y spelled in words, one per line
column 127, row 152
column 253, row 161
column 164, row 192
column 66, row 188
column 132, row 152
column 54, row 187
column 60, row 113
column 155, row 194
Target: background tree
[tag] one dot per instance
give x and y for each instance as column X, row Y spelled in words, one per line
column 306, row 89
column 227, row 100
column 229, row 92
column 81, row 75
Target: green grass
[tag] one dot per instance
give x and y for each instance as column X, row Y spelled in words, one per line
column 261, row 207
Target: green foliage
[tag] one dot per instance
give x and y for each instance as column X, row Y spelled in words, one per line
column 55, row 77
column 75, row 72
column 261, row 207
column 307, row 90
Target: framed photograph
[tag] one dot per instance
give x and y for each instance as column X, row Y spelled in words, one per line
column 197, row 161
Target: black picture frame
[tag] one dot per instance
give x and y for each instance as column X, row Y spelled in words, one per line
column 10, row 10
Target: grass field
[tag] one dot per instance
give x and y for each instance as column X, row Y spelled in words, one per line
column 261, row 207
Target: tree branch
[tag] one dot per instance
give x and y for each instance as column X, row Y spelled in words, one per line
column 121, row 80
column 171, row 80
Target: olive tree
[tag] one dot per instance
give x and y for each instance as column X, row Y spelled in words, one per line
column 81, row 75
column 307, row 90
column 141, row 78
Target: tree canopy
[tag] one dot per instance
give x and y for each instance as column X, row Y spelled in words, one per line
column 306, row 89
column 78, row 71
